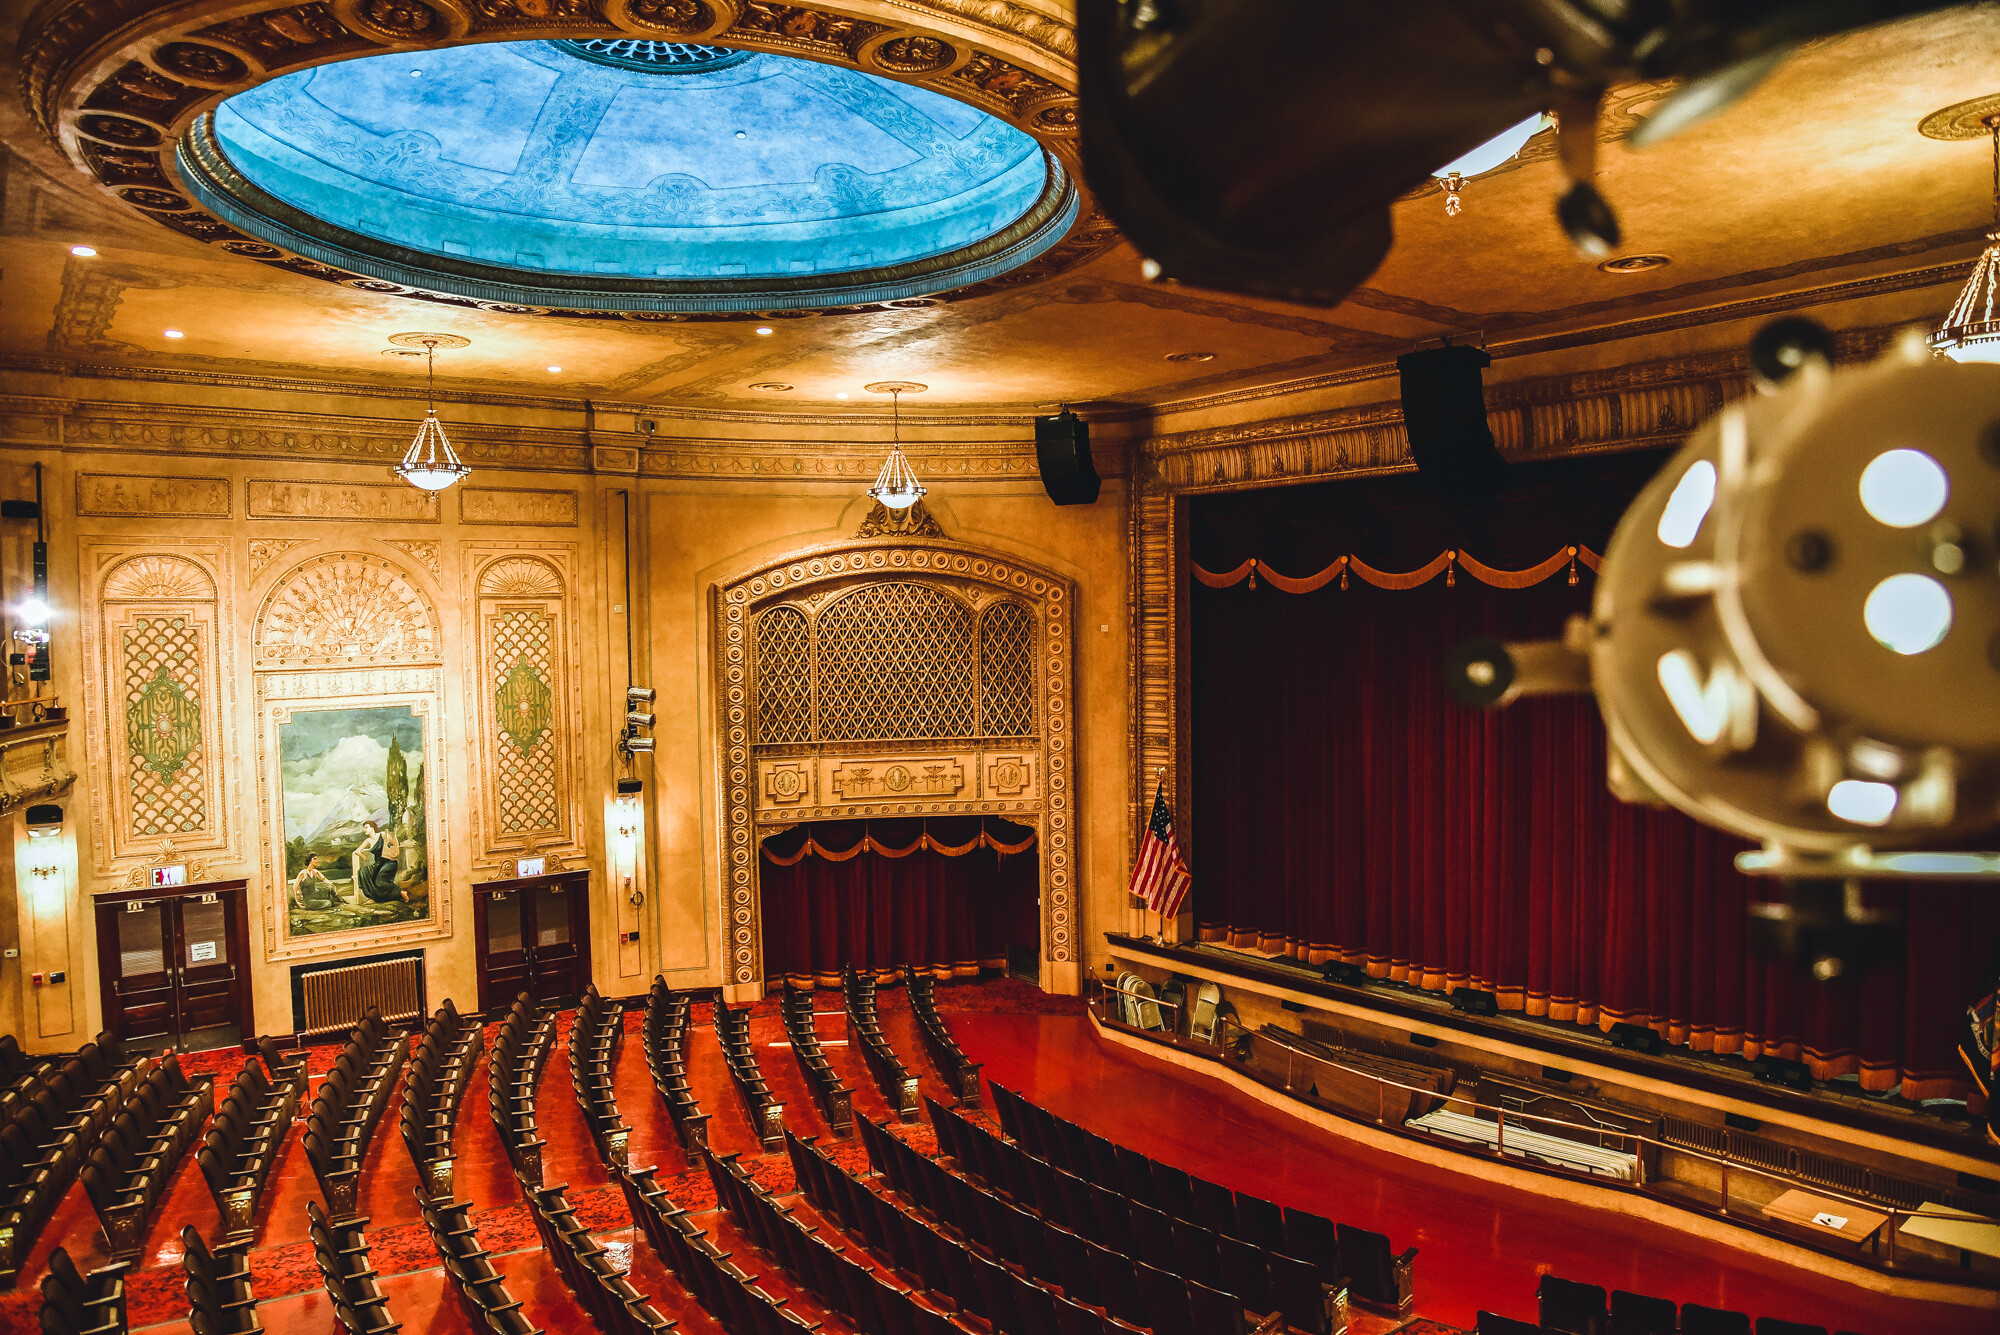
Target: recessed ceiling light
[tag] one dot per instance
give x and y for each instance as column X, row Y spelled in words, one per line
column 1190, row 356
column 764, row 329
column 174, row 333
column 841, row 395
column 772, row 386
column 555, row 368
column 1634, row 264
column 415, row 73
column 741, row 135
column 83, row 252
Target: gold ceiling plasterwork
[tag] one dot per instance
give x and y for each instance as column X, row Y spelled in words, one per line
column 982, row 642
column 118, row 109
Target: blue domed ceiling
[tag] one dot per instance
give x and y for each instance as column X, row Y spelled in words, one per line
column 629, row 174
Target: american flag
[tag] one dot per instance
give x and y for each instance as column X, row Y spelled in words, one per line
column 1161, row 879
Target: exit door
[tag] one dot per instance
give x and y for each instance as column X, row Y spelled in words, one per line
column 534, row 937
column 173, row 967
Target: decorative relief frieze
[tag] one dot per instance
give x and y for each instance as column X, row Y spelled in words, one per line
column 263, row 551
column 426, row 552
column 126, row 495
column 509, row 505
column 388, row 502
column 786, row 782
column 888, row 778
column 341, row 609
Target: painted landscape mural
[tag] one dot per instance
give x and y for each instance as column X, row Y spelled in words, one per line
column 354, row 811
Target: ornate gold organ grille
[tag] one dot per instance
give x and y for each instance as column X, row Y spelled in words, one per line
column 895, row 661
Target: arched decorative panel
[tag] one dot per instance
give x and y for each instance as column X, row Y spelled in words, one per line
column 899, row 676
column 154, row 682
column 525, row 689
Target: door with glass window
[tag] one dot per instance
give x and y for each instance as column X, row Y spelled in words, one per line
column 172, row 966
column 534, row 937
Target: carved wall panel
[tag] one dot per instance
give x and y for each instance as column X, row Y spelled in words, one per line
column 352, row 782
column 528, row 710
column 894, row 676
column 156, row 689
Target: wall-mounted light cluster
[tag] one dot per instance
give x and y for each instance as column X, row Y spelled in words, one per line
column 638, row 721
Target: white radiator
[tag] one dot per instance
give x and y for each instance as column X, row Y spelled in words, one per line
column 336, row 999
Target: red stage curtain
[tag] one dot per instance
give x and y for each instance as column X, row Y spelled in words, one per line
column 945, row 893
column 1344, row 807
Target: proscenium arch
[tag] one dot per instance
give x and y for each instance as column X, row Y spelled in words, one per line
column 743, row 764
column 122, row 106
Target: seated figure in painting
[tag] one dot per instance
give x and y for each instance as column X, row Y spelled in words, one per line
column 376, row 862
column 313, row 889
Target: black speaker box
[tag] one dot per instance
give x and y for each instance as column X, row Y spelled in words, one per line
column 1636, row 1038
column 1472, row 1001
column 1444, row 412
column 1062, row 449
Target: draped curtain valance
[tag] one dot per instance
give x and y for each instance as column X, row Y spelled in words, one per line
column 898, row 837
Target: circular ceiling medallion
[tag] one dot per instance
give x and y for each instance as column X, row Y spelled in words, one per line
column 772, row 386
column 655, row 57
column 895, row 387
column 1634, row 264
column 422, row 341
column 1971, row 119
column 1190, row 356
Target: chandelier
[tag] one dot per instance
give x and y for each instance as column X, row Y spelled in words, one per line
column 1971, row 330
column 896, row 486
column 430, row 464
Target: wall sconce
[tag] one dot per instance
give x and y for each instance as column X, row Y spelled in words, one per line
column 45, row 855
column 624, row 827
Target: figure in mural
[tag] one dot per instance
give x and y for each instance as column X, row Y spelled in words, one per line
column 376, row 862
column 313, row 889
column 354, row 796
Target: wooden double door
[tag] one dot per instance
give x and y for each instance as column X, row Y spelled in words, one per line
column 173, row 965
column 534, row 937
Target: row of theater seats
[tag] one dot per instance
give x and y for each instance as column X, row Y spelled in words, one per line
column 348, row 1107
column 766, row 1113
column 589, row 1270
column 1052, row 1163
column 245, row 1140
column 960, row 1072
column 521, row 1048
column 74, row 1304
column 967, row 1264
column 218, row 1286
column 729, row 1293
column 127, row 1175
column 1567, row 1307
column 341, row 1252
column 898, row 1086
column 51, row 1117
column 872, row 1300
column 664, row 1037
column 481, row 1289
column 434, row 1085
column 835, row 1099
column 593, row 1048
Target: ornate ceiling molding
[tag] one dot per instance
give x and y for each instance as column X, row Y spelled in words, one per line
column 117, row 85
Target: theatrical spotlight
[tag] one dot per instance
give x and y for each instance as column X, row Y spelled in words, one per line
column 1795, row 635
column 638, row 721
column 1257, row 145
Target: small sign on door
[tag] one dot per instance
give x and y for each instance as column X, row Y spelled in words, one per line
column 176, row 874
column 200, row 950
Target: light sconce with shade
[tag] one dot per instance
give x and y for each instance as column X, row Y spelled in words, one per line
column 624, row 829
column 1970, row 331
column 430, row 464
column 896, row 486
column 45, row 855
column 1500, row 149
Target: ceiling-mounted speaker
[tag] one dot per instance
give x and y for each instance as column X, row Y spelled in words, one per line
column 1062, row 449
column 1444, row 411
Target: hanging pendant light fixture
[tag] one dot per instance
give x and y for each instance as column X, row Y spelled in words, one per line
column 430, row 464
column 1971, row 329
column 896, row 486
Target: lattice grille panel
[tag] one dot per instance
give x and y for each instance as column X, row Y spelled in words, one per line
column 1007, row 671
column 784, row 676
column 524, row 705
column 165, row 757
column 895, row 660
